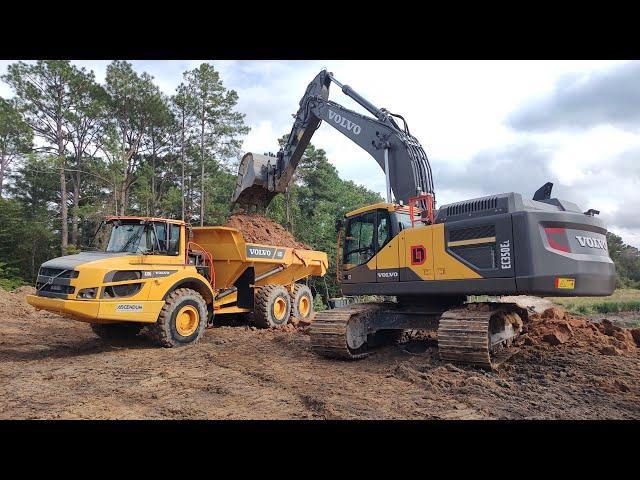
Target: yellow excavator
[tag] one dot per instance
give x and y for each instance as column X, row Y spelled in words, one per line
column 430, row 260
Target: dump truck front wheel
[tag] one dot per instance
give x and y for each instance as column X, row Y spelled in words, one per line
column 301, row 302
column 182, row 319
column 272, row 306
column 116, row 331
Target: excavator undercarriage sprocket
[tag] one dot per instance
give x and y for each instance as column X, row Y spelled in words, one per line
column 477, row 334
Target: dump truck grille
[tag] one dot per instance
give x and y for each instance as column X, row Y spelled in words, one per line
column 58, row 272
column 54, row 282
column 55, row 289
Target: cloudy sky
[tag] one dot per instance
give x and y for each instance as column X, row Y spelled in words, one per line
column 487, row 126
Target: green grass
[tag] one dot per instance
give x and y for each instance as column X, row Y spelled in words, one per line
column 622, row 300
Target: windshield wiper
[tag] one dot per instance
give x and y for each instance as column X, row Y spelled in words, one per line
column 135, row 236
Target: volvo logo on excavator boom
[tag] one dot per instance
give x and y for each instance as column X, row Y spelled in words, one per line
column 343, row 122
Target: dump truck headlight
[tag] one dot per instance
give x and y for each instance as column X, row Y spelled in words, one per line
column 87, row 293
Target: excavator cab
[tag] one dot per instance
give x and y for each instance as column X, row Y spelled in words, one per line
column 366, row 253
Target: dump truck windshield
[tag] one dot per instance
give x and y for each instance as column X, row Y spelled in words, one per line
column 133, row 238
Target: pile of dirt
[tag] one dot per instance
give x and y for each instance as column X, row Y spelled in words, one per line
column 555, row 327
column 258, row 229
column 14, row 302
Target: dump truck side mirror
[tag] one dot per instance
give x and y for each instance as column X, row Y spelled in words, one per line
column 339, row 224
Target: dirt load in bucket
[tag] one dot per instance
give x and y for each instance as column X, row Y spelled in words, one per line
column 259, row 229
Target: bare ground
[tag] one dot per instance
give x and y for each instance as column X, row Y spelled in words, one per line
column 56, row 368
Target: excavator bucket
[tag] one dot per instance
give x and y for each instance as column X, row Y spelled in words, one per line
column 252, row 188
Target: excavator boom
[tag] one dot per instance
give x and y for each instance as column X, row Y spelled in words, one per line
column 399, row 154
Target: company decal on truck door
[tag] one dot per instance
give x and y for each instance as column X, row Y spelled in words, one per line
column 257, row 251
column 129, row 307
column 157, row 273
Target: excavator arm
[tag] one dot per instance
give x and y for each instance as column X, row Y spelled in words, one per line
column 398, row 153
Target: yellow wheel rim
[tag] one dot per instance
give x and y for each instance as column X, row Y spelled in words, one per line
column 279, row 308
column 187, row 320
column 304, row 306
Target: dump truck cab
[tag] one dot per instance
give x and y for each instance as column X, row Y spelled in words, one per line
column 164, row 274
column 144, row 257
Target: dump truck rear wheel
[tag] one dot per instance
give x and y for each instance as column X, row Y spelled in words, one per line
column 182, row 319
column 301, row 302
column 116, row 331
column 272, row 306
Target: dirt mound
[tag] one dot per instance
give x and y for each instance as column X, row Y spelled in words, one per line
column 15, row 302
column 555, row 327
column 26, row 290
column 258, row 229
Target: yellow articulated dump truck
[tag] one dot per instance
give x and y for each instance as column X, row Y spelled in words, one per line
column 175, row 278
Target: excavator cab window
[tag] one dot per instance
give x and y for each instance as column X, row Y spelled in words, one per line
column 404, row 221
column 366, row 235
column 359, row 239
column 384, row 228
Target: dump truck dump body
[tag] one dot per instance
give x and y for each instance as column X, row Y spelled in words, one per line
column 240, row 265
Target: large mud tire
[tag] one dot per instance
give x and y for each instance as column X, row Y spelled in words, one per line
column 116, row 331
column 301, row 302
column 182, row 319
column 272, row 306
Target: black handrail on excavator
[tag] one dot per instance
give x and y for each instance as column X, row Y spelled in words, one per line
column 399, row 154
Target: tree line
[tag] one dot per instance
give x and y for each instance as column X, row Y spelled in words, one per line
column 627, row 261
column 73, row 150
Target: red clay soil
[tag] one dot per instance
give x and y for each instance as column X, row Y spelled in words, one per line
column 258, row 229
column 555, row 327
